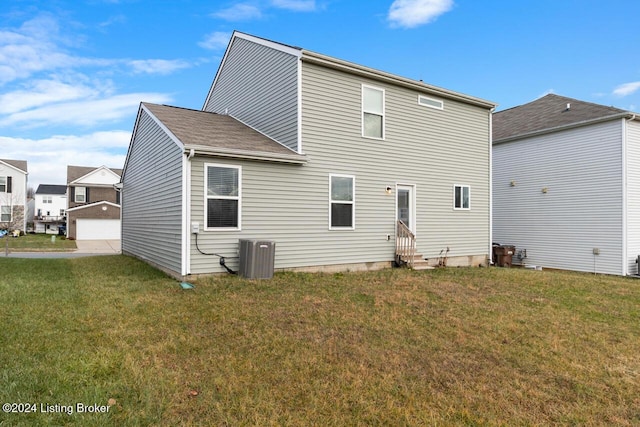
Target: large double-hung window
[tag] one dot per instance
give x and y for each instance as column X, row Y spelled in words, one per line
column 341, row 202
column 372, row 112
column 223, row 196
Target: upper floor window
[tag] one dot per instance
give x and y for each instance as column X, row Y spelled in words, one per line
column 461, row 197
column 47, row 199
column 80, row 195
column 372, row 112
column 341, row 201
column 5, row 184
column 223, row 192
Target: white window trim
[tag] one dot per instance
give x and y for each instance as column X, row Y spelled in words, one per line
column 421, row 97
column 4, row 184
column 10, row 213
column 84, row 195
column 454, row 197
column 352, row 203
column 207, row 197
column 384, row 115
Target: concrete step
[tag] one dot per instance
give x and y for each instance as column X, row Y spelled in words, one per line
column 419, row 263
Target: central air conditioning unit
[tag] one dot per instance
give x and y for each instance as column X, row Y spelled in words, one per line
column 257, row 258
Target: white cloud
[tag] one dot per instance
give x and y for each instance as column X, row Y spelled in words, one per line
column 83, row 113
column 239, row 12
column 42, row 92
column 215, row 41
column 47, row 158
column 627, row 89
column 412, row 13
column 295, row 5
column 158, row 66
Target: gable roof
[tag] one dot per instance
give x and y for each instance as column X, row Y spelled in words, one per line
column 18, row 164
column 51, row 189
column 352, row 68
column 219, row 135
column 76, row 172
column 549, row 113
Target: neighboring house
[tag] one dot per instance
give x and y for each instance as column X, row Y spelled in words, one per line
column 93, row 210
column 319, row 155
column 566, row 180
column 50, row 208
column 13, row 195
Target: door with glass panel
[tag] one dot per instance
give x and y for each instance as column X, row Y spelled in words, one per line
column 405, row 206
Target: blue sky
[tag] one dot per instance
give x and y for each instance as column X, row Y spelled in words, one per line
column 73, row 72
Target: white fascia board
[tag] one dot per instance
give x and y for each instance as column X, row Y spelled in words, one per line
column 566, row 127
column 81, row 181
column 165, row 129
column 90, row 205
column 248, row 155
column 13, row 167
column 372, row 73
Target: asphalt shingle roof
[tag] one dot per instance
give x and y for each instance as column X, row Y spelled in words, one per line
column 548, row 112
column 20, row 164
column 75, row 172
column 201, row 128
column 51, row 189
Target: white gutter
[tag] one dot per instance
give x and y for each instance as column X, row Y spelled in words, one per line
column 491, row 185
column 234, row 153
column 565, row 127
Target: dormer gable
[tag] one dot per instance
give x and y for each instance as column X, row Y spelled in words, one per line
column 98, row 177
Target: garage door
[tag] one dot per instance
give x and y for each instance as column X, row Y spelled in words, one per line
column 98, row 229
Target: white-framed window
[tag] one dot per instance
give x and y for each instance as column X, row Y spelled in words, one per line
column 373, row 125
column 430, row 102
column 5, row 213
column 47, row 199
column 342, row 212
column 61, row 212
column 462, row 197
column 80, row 195
column 223, row 196
column 3, row 184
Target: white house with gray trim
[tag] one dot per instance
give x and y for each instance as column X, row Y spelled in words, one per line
column 13, row 195
column 322, row 156
column 566, row 180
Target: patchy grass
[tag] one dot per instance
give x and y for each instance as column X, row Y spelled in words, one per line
column 36, row 242
column 395, row 347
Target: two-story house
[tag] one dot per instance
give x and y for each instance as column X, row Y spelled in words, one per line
column 337, row 163
column 566, row 182
column 93, row 204
column 50, row 208
column 13, row 195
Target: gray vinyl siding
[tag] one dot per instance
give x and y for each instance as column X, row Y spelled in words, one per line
column 582, row 171
column 152, row 197
column 258, row 86
column 633, row 195
column 431, row 149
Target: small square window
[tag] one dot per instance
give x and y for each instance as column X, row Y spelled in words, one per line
column 462, row 197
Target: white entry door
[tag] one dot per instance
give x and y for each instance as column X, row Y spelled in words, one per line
column 405, row 205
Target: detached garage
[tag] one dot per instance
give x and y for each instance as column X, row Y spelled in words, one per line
column 96, row 221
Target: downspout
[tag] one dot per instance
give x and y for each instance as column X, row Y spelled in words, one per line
column 625, row 201
column 186, row 212
column 491, row 185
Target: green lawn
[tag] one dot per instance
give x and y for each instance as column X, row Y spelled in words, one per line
column 395, row 347
column 36, row 242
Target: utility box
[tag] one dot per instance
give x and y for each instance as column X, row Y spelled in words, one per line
column 257, row 258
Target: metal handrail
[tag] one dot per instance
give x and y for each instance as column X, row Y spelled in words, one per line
column 405, row 244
